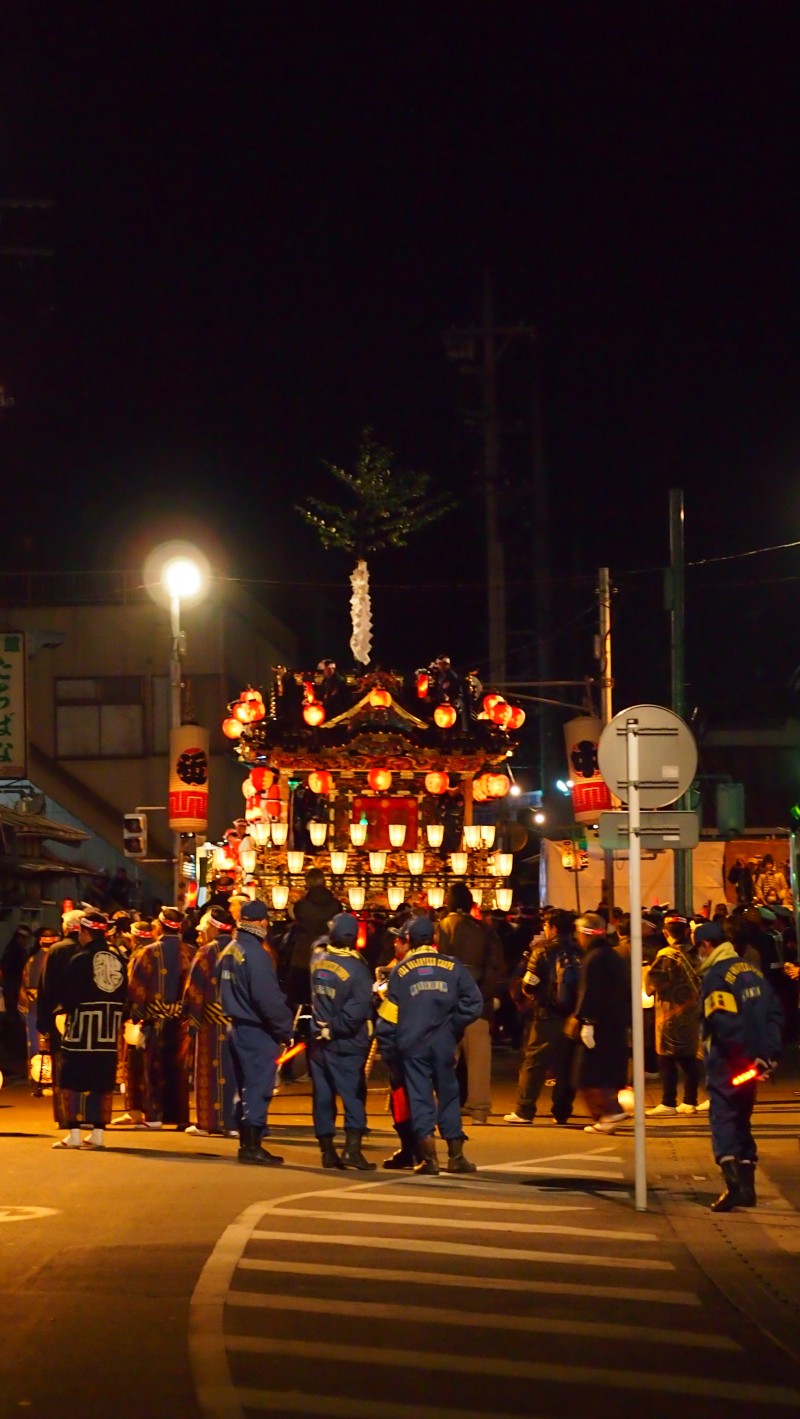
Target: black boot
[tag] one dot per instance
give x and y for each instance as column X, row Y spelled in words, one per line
column 732, row 1197
column 352, row 1157
column 330, row 1158
column 747, row 1183
column 428, row 1162
column 406, row 1155
column 250, row 1150
column 457, row 1163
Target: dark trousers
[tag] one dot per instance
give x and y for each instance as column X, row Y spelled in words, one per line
column 253, row 1054
column 336, row 1076
column 729, row 1114
column 547, row 1054
column 428, row 1073
column 668, row 1065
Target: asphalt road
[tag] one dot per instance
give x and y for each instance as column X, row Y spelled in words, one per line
column 160, row 1278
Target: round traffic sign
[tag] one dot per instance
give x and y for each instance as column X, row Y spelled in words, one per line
column 667, row 754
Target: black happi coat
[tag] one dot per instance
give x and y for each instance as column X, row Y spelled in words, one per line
column 604, row 1001
column 93, row 992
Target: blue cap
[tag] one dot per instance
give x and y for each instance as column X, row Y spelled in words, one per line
column 709, row 931
column 344, row 927
column 420, row 931
column 254, row 911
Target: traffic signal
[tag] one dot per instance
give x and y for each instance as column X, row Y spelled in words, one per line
column 134, row 835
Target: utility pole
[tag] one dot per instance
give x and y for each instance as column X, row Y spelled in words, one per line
column 495, row 550
column 541, row 571
column 676, row 604
column 606, row 682
column 478, row 350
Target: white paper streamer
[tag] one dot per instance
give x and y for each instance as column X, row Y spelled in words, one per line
column 361, row 613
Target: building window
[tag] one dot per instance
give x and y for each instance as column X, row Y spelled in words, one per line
column 102, row 718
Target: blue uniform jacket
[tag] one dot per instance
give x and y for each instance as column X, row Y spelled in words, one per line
column 248, row 986
column 341, row 998
column 742, row 1018
column 430, row 1001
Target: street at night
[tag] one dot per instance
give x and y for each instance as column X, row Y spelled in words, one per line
column 159, row 1278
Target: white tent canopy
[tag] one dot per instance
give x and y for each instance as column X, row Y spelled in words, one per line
column 557, row 886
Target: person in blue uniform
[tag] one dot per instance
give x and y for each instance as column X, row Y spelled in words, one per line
column 742, row 1024
column 261, row 1022
column 341, row 1030
column 430, row 1001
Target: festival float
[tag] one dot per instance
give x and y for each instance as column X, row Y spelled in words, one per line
column 373, row 778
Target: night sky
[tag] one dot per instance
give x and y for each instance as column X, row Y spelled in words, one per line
column 266, row 216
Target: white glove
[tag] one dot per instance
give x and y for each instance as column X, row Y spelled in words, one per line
column 323, row 1030
column 587, row 1036
column 765, row 1067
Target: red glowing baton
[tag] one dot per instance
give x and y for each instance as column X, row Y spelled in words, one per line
column 290, row 1053
column 746, row 1077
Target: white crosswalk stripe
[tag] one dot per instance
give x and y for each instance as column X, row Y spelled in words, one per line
column 285, row 1323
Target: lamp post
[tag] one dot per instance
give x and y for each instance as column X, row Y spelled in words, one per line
column 175, row 574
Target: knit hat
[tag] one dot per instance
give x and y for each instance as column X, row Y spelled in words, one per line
column 344, row 929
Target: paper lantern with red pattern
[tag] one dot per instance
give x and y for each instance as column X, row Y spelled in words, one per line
column 445, row 716
column 314, row 714
column 517, row 718
column 436, row 782
column 320, row 781
column 231, row 728
column 379, row 780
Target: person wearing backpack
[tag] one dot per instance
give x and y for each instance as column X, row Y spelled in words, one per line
column 478, row 948
column 673, row 982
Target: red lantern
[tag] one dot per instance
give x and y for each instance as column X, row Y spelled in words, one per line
column 380, row 699
column 241, row 711
column 436, row 782
column 517, row 718
column 423, row 684
column 501, row 714
column 249, row 788
column 314, row 714
column 497, row 785
column 479, row 789
column 445, row 716
column 256, row 708
column 231, row 728
column 320, row 781
column 489, row 702
column 379, row 780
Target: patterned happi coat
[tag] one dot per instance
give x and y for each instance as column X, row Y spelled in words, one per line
column 215, row 1094
column 157, row 976
column 93, row 996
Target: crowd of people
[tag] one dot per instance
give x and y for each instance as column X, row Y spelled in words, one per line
column 201, row 1008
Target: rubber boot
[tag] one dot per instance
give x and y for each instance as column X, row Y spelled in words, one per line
column 352, row 1157
column 456, row 1162
column 747, row 1183
column 250, row 1150
column 406, row 1155
column 428, row 1163
column 732, row 1197
column 330, row 1158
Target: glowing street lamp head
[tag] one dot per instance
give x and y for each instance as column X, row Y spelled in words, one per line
column 177, row 572
column 182, row 578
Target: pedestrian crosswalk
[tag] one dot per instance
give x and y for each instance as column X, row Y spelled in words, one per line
column 400, row 1298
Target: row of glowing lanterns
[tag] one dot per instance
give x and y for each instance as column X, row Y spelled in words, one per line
column 475, row 836
column 250, row 708
column 395, row 896
column 320, row 781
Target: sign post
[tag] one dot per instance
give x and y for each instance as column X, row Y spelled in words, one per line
column 648, row 757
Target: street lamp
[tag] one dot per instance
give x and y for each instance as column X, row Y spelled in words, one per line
column 176, row 573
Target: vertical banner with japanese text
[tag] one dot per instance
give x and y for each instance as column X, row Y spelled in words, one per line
column 13, row 706
column 188, row 779
column 590, row 792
